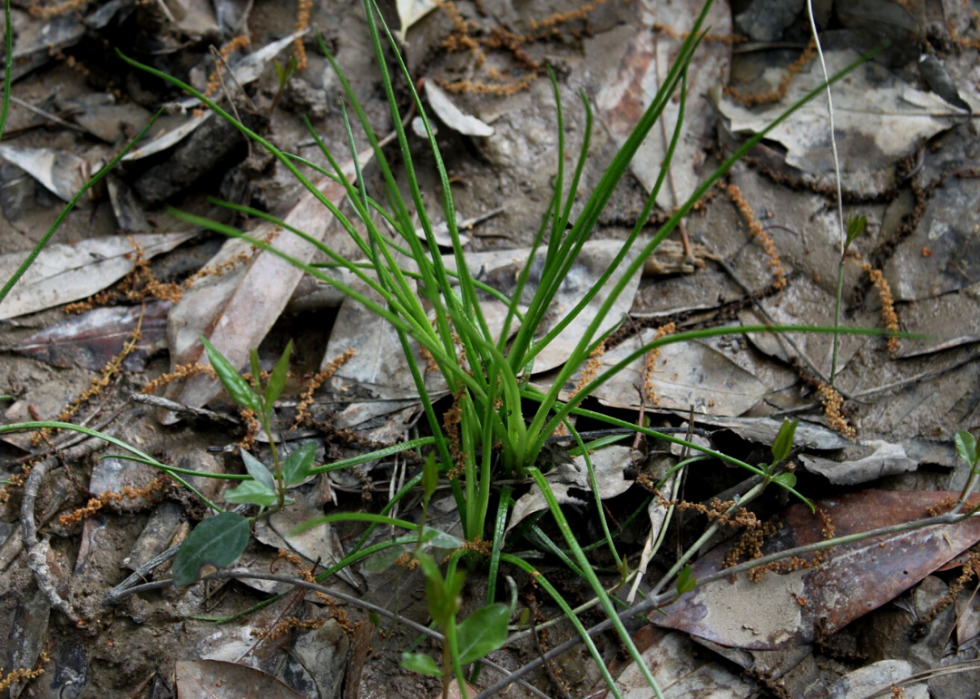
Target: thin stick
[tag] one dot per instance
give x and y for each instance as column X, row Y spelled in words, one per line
column 840, row 199
column 37, row 551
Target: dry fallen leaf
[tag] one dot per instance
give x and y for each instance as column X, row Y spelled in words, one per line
column 237, row 309
column 65, row 273
column 786, row 609
column 216, row 679
column 644, row 66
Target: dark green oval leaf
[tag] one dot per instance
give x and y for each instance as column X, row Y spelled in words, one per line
column 484, row 631
column 217, row 541
column 237, row 387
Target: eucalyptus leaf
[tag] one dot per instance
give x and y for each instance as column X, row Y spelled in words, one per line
column 257, row 470
column 253, row 493
column 217, row 541
column 421, row 663
column 483, row 632
column 237, row 387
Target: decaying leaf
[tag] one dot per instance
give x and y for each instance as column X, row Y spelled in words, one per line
column 216, row 679
column 173, row 129
column 686, row 374
column 878, row 118
column 644, row 66
column 679, row 668
column 410, row 12
column 65, row 273
column 786, row 609
column 451, row 115
column 237, row 309
column 885, row 459
column 91, row 339
column 570, row 483
column 62, row 173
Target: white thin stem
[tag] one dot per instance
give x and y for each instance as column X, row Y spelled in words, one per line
column 833, row 140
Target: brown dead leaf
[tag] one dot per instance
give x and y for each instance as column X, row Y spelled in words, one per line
column 785, row 609
column 647, row 60
column 216, row 679
column 237, row 309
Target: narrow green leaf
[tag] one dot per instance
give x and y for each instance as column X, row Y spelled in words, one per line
column 966, row 447
column 257, row 470
column 783, row 445
column 685, row 582
column 787, row 480
column 483, row 632
column 217, row 541
column 297, row 465
column 280, row 73
column 252, row 493
column 277, row 380
column 430, row 477
column 420, row 663
column 237, row 387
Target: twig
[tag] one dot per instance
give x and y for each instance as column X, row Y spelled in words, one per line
column 547, row 665
column 655, row 601
column 37, row 551
column 51, row 117
column 159, row 402
column 350, row 599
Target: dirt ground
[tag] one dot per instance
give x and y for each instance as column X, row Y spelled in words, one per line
column 763, row 247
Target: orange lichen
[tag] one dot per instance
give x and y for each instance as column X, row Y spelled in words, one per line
column 727, row 39
column 780, row 92
column 111, row 497
column 756, row 231
column 318, row 379
column 650, row 363
column 23, row 674
column 98, row 384
column 832, row 404
column 138, row 285
column 592, row 367
column 888, row 314
column 55, row 10
column 302, row 24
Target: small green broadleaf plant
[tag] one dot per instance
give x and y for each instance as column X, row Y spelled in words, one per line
column 685, row 581
column 966, row 447
column 260, row 402
column 782, row 447
column 220, row 540
column 483, row 631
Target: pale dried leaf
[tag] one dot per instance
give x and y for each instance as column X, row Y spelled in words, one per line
column 236, row 310
column 451, row 115
column 65, row 273
column 630, row 90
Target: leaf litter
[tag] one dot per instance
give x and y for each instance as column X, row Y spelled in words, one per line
column 741, row 391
